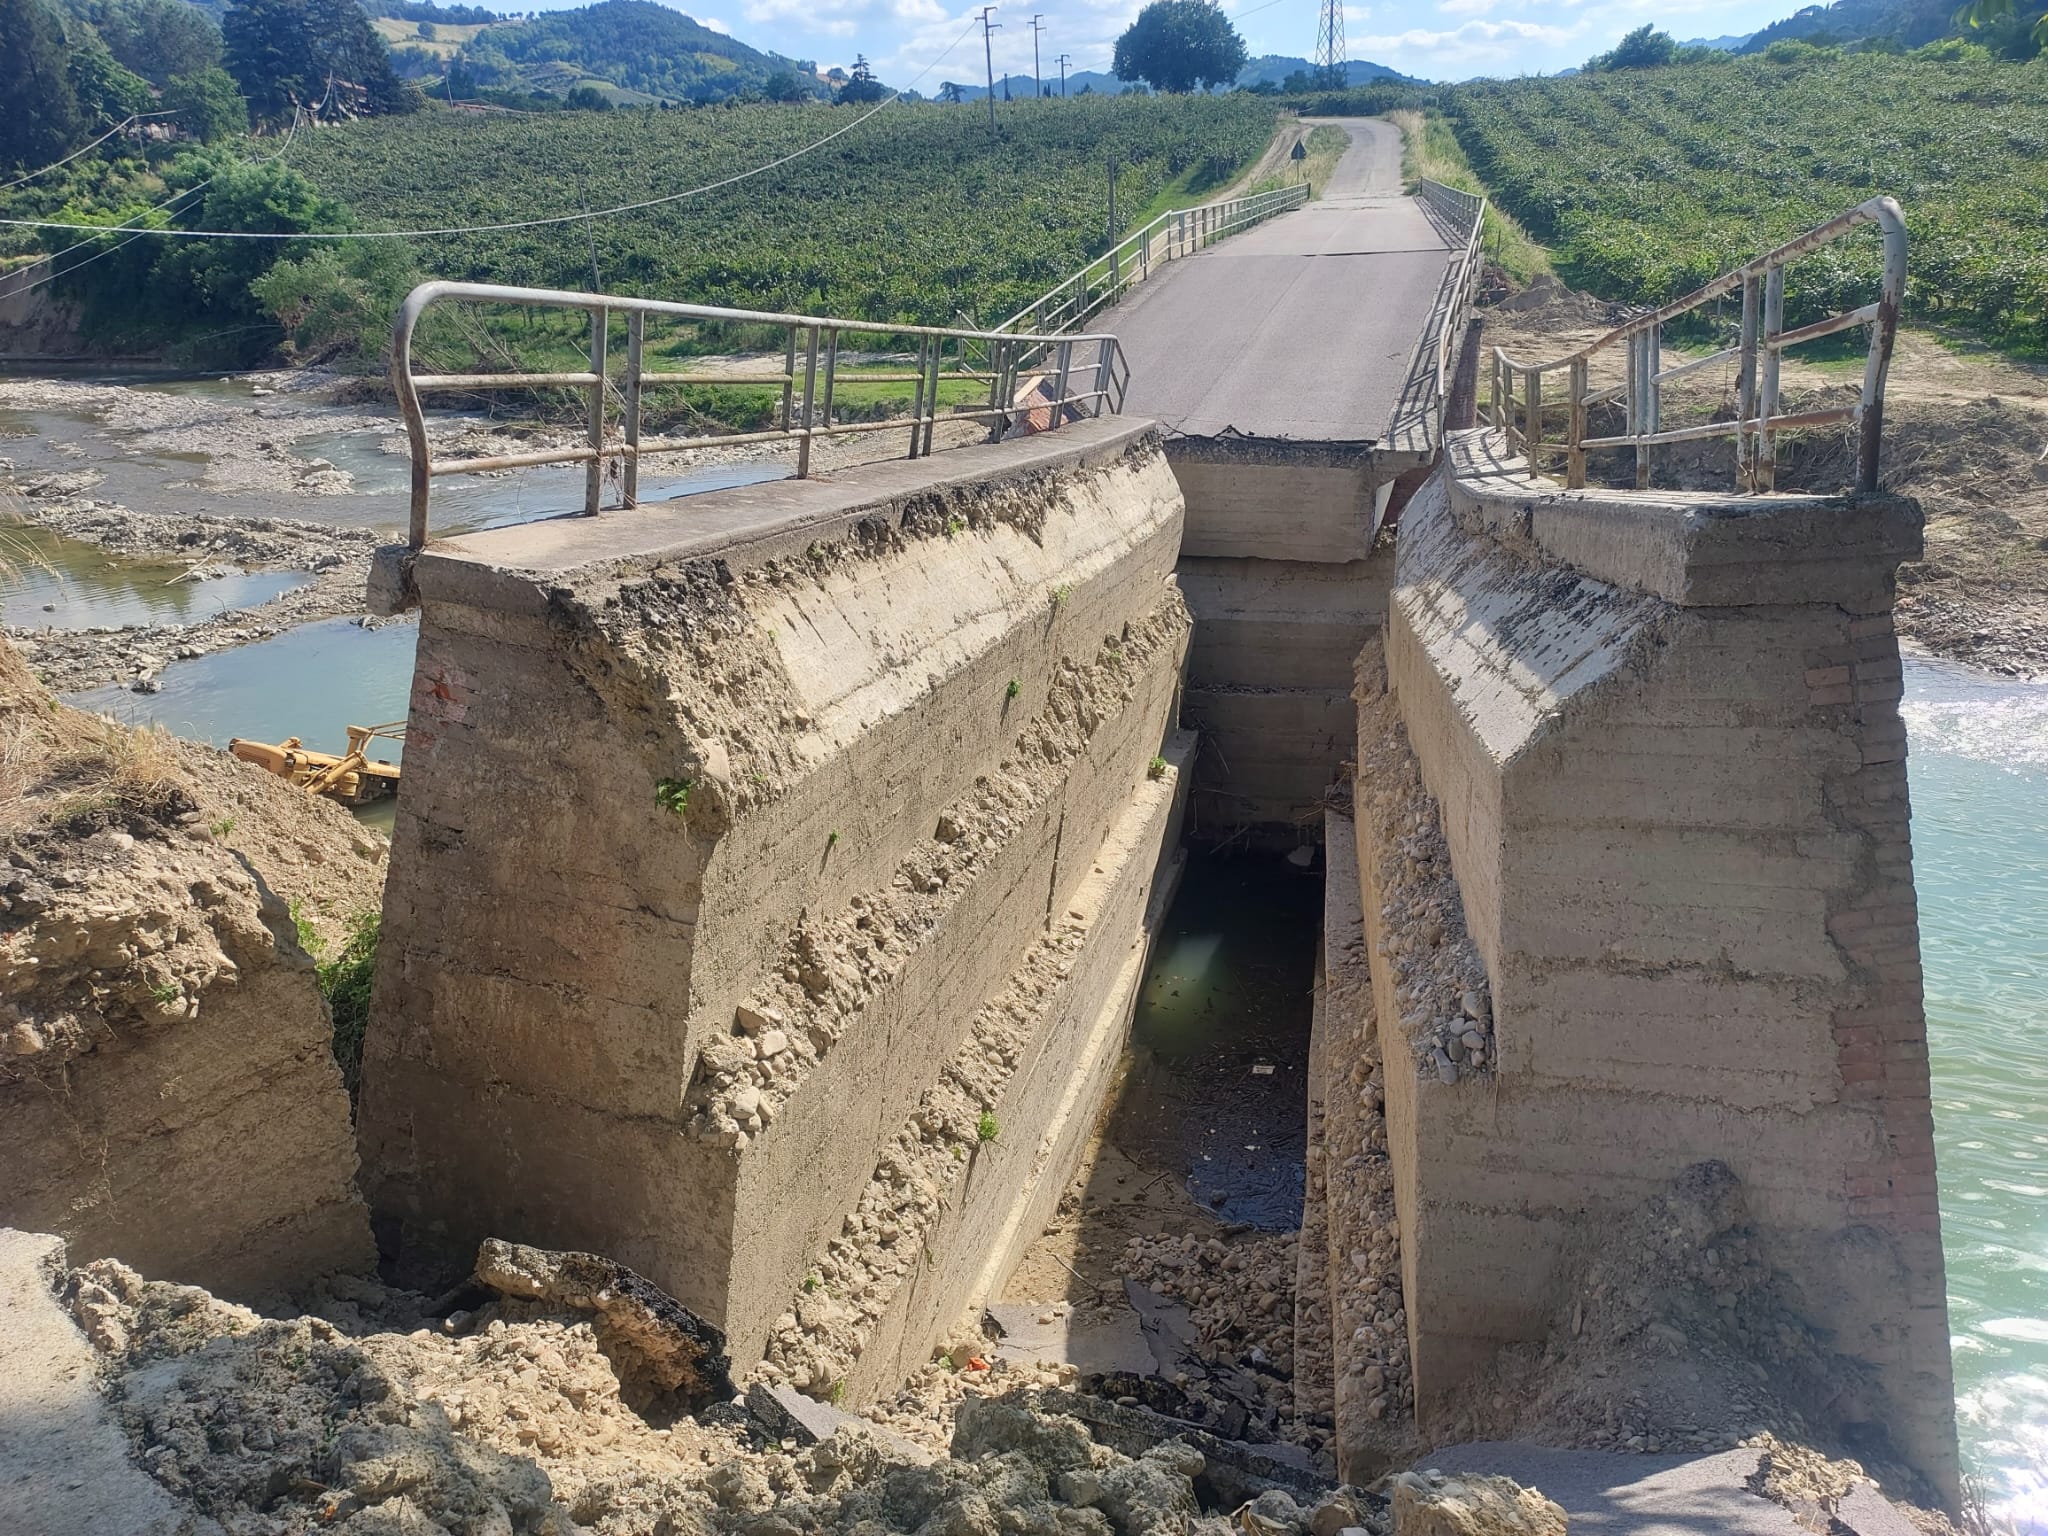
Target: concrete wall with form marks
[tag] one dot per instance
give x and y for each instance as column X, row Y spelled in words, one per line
column 1664, row 735
column 753, row 846
column 1287, row 577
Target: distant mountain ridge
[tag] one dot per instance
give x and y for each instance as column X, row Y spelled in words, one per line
column 1267, row 69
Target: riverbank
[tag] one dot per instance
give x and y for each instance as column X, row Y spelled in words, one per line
column 203, row 549
column 1966, row 435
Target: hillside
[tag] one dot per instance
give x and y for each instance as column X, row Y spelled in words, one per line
column 1647, row 182
column 647, row 51
column 1904, row 23
column 1270, row 69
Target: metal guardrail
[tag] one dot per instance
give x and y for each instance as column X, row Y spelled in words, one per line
column 1465, row 213
column 1035, row 382
column 1130, row 261
column 1764, row 341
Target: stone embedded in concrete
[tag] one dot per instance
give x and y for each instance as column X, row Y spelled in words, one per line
column 949, row 1210
column 822, row 758
column 1664, row 732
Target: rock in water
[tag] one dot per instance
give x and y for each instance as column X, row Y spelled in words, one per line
column 1430, row 1504
column 662, row 1351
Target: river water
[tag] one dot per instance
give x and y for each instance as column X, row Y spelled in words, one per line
column 1979, row 771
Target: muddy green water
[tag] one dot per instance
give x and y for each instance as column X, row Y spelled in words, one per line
column 62, row 583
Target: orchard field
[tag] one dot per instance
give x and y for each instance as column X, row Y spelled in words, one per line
column 915, row 215
column 1647, row 182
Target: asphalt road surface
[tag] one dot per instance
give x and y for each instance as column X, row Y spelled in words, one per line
column 1300, row 329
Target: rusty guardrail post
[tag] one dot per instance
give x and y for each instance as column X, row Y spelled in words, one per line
column 593, row 479
column 1575, row 440
column 629, row 476
column 1745, row 385
column 803, row 442
column 1774, row 324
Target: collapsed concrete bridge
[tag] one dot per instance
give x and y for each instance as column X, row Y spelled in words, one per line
column 776, row 868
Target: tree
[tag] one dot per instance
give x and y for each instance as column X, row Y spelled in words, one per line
column 861, row 86
column 428, row 31
column 336, row 304
column 207, row 105
column 587, row 98
column 1180, row 45
column 38, row 108
column 1986, row 13
column 157, row 39
column 322, row 55
column 106, row 93
column 1644, row 48
column 950, row 93
column 785, row 85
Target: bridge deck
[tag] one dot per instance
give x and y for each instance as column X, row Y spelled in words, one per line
column 1301, row 329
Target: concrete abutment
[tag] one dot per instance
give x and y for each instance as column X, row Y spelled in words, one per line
column 805, row 1001
column 869, row 785
column 1663, row 735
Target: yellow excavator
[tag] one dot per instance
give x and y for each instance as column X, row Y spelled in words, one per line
column 353, row 777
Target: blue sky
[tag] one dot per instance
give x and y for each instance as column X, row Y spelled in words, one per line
column 1437, row 39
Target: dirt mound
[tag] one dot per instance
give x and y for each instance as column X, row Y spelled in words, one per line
column 371, row 1416
column 1674, row 1334
column 168, row 1091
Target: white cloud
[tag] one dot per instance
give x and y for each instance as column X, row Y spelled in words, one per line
column 713, row 24
column 1467, row 7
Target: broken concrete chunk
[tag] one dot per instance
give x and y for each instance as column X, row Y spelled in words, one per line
column 1431, row 1504
column 662, row 1351
column 787, row 1414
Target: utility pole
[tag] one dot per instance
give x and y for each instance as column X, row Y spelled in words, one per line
column 1330, row 45
column 988, row 59
column 1062, row 62
column 1037, row 85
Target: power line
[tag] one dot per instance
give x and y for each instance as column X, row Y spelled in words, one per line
column 125, row 123
column 56, row 271
column 556, row 219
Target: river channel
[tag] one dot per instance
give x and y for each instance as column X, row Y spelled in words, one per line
column 1979, row 772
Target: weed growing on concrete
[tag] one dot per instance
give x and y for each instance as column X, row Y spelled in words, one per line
column 955, row 524
column 831, row 839
column 987, row 1128
column 1013, row 690
column 167, row 993
column 812, row 1282
column 673, row 795
column 309, row 936
column 223, row 827
column 838, row 1392
column 345, row 983
column 1156, row 769
column 1061, row 593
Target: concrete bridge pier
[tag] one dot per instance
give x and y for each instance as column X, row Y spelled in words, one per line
column 1281, row 574
column 772, row 883
column 1662, row 736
